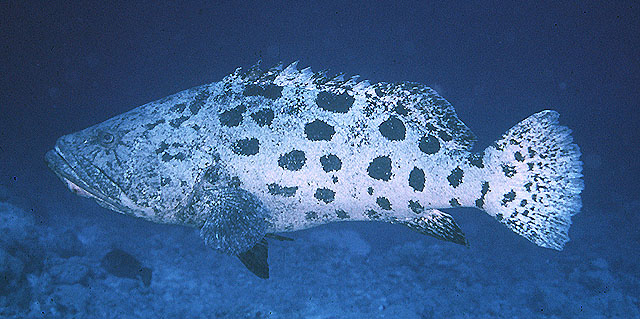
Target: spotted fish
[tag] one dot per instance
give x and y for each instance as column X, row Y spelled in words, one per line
column 265, row 152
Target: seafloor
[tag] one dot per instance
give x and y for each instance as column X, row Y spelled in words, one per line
column 50, row 268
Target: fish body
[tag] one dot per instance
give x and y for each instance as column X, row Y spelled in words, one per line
column 264, row 152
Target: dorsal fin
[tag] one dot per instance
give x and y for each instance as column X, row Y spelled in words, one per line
column 432, row 115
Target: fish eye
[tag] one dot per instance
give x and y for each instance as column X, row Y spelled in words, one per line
column 106, row 138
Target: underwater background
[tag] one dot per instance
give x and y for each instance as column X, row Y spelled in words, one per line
column 67, row 65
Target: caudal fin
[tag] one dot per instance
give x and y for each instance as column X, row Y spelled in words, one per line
column 535, row 180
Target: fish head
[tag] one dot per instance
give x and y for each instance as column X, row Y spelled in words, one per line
column 92, row 164
column 136, row 163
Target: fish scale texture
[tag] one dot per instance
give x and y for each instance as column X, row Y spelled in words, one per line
column 284, row 149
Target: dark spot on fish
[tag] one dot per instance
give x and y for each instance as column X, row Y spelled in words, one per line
column 163, row 147
column 372, row 214
column 455, row 178
column 232, row 117
column 531, row 151
column 338, row 103
column 342, row 214
column 508, row 197
column 178, row 108
column 499, row 216
column 444, row 136
column 325, row 195
column 235, row 182
column 523, row 203
column 293, row 161
column 508, row 170
column 263, row 117
column 454, row 202
column 198, row 102
column 166, row 157
column 164, row 181
column 413, row 87
column 429, row 144
column 319, row 131
column 527, row 186
column 330, row 163
column 476, row 160
column 276, row 189
column 400, row 109
column 196, row 127
column 246, row 146
column 180, row 156
column 334, row 179
column 416, row 179
column 151, row 126
column 416, row 207
column 483, row 193
column 270, row 91
column 384, row 203
column 393, row 129
column 370, row 190
column 430, row 127
column 380, row 168
column 311, row 215
column 178, row 121
column 518, row 156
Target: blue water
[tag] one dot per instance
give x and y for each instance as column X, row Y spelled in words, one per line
column 64, row 67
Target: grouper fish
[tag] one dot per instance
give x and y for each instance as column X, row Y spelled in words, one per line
column 264, row 152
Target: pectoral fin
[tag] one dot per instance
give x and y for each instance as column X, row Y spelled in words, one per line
column 437, row 224
column 235, row 220
column 255, row 259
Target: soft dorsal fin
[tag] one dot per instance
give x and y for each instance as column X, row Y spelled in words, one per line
column 431, row 113
column 439, row 225
column 255, row 259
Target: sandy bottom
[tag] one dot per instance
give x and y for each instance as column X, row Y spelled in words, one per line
column 51, row 269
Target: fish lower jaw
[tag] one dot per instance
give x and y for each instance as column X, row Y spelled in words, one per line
column 77, row 189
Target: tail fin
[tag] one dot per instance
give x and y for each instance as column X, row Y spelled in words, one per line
column 535, row 180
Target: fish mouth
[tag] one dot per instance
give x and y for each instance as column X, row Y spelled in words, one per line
column 65, row 172
column 76, row 174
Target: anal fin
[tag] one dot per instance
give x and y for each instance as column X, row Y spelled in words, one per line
column 437, row 224
column 255, row 259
